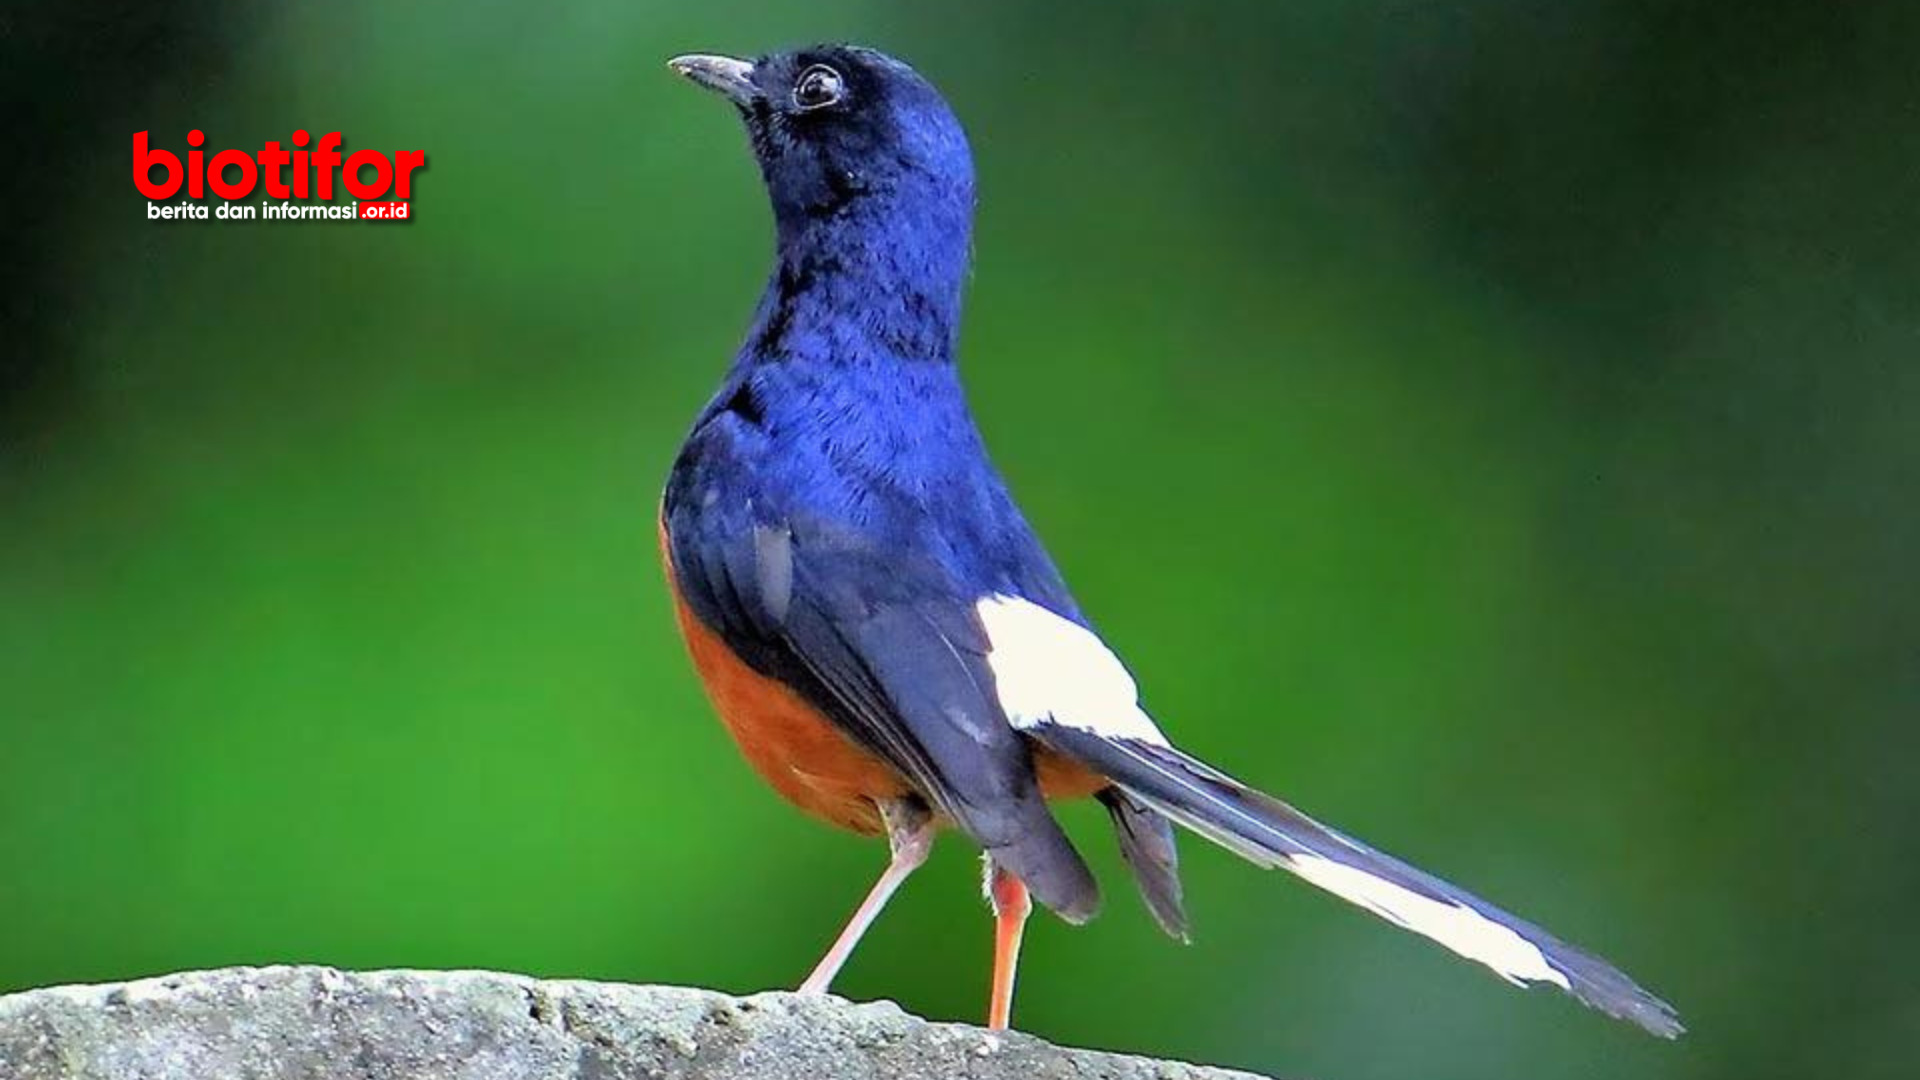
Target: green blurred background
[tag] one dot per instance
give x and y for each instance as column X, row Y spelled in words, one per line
column 1490, row 425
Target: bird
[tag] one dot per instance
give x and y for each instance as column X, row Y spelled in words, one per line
column 886, row 639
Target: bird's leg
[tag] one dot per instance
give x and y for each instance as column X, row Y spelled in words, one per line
column 1011, row 907
column 910, row 836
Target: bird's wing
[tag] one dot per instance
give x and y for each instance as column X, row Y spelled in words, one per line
column 889, row 648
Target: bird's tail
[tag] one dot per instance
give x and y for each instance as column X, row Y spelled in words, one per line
column 1265, row 831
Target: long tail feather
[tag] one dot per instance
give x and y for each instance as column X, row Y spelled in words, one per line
column 1270, row 833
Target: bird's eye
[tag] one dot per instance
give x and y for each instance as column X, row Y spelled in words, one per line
column 818, row 87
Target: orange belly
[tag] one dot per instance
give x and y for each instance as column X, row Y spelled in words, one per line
column 801, row 753
column 793, row 748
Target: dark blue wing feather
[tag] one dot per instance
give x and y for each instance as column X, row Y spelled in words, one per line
column 872, row 620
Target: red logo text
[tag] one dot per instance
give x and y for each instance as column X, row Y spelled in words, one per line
column 299, row 173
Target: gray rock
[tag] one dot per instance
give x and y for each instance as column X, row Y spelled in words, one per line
column 314, row 1023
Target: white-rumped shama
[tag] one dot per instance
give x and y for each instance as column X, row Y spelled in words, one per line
column 880, row 630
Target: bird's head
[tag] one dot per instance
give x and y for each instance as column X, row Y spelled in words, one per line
column 843, row 132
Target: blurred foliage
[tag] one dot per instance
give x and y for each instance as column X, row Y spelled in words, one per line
column 1490, row 425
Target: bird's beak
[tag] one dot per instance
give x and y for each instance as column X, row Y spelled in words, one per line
column 731, row 77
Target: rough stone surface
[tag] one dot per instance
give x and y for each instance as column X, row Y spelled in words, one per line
column 315, row 1023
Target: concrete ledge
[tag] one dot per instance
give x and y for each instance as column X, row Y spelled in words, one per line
column 316, row 1023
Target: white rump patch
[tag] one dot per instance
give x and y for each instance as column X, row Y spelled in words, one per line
column 1459, row 928
column 1047, row 669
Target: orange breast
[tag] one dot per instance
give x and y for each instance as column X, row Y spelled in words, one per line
column 801, row 753
column 794, row 748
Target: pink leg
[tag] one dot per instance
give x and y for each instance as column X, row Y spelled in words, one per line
column 910, row 835
column 1011, row 906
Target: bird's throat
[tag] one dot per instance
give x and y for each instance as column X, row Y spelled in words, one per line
column 879, row 279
